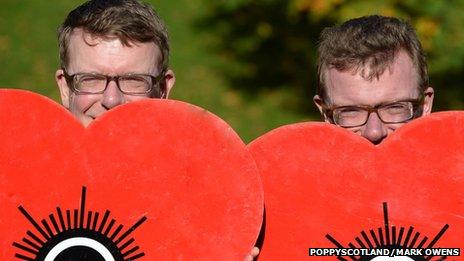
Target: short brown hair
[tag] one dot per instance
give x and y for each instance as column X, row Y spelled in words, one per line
column 372, row 41
column 128, row 20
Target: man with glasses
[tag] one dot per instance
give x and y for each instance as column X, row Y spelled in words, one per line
column 111, row 53
column 372, row 76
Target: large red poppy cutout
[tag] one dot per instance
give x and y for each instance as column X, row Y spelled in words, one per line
column 151, row 180
column 325, row 187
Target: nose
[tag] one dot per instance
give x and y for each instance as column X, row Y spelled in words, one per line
column 112, row 96
column 374, row 130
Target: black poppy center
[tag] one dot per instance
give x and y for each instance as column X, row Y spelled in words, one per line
column 79, row 253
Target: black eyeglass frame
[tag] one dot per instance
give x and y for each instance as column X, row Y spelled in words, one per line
column 155, row 80
column 329, row 111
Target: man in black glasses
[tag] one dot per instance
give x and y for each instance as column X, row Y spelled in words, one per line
column 111, row 53
column 372, row 76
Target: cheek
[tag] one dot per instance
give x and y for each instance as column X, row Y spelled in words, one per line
column 132, row 98
column 82, row 103
column 392, row 127
column 357, row 130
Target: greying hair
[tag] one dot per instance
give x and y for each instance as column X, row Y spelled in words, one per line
column 368, row 42
column 127, row 20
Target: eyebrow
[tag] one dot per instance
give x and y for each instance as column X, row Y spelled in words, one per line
column 99, row 73
column 378, row 104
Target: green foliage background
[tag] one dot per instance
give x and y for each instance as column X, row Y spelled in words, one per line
column 251, row 62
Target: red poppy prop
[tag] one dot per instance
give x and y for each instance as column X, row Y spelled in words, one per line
column 150, row 180
column 325, row 187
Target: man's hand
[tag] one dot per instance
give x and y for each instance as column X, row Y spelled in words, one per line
column 253, row 253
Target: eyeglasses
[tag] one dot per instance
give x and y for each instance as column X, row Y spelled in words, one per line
column 355, row 116
column 132, row 84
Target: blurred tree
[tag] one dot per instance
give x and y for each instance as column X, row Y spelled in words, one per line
column 251, row 62
column 272, row 43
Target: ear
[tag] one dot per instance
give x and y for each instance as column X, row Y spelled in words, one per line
column 63, row 87
column 319, row 104
column 169, row 81
column 428, row 101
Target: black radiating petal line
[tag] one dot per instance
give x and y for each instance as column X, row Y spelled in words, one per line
column 54, row 223
column 89, row 220
column 68, row 218
column 95, row 221
column 47, row 227
column 351, row 245
column 76, row 217
column 408, row 236
column 60, row 217
column 131, row 229
column 27, row 249
column 438, row 236
column 385, row 221
column 116, row 232
column 361, row 244
column 334, row 241
column 121, row 248
column 422, row 242
column 36, row 238
column 130, row 251
column 109, row 227
column 31, row 244
column 414, row 240
column 136, row 257
column 393, row 242
column 82, row 208
column 400, row 236
column 366, row 238
column 382, row 242
column 23, row 257
column 374, row 236
column 103, row 223
column 33, row 222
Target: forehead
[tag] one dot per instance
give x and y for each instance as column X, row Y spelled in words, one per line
column 399, row 81
column 90, row 53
